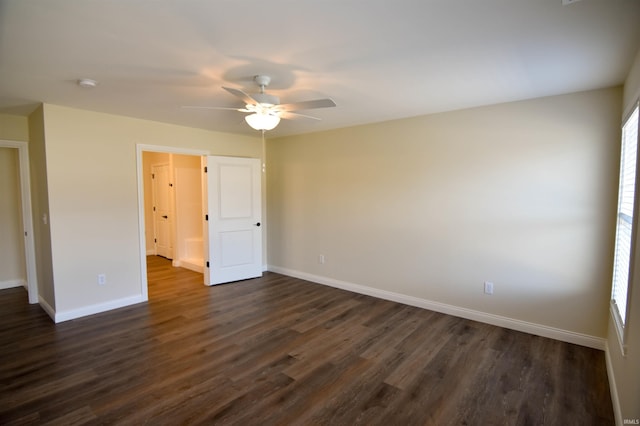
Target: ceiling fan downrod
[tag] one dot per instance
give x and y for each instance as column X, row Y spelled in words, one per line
column 262, row 81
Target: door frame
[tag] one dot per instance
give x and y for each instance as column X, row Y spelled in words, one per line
column 27, row 216
column 140, row 149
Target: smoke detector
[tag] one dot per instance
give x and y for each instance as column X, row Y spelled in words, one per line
column 87, row 83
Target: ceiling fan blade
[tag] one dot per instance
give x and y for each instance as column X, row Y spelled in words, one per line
column 214, row 107
column 248, row 100
column 317, row 103
column 288, row 115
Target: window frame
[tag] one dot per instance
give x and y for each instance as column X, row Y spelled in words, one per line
column 619, row 324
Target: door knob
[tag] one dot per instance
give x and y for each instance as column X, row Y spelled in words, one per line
column 258, row 224
column 165, row 217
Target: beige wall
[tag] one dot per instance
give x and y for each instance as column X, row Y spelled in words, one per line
column 624, row 371
column 14, row 128
column 521, row 194
column 12, row 259
column 92, row 183
column 40, row 209
column 632, row 86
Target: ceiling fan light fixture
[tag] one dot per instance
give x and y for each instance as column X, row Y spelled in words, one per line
column 262, row 121
column 266, row 110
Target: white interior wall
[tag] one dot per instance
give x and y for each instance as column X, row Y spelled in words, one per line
column 14, row 128
column 41, row 210
column 92, row 185
column 188, row 204
column 624, row 369
column 427, row 209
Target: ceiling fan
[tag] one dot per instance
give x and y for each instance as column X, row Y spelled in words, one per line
column 266, row 110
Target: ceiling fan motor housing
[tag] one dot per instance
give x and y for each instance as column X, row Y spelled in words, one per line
column 265, row 99
column 262, row 80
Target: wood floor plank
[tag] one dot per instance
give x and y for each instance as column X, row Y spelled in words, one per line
column 278, row 350
column 358, row 399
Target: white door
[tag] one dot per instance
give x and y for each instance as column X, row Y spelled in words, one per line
column 162, row 219
column 234, row 247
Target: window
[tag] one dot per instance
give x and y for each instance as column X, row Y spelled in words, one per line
column 625, row 226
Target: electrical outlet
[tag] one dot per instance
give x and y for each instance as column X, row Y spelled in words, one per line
column 321, row 259
column 102, row 279
column 488, row 287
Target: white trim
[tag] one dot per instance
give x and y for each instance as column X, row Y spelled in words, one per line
column 613, row 389
column 498, row 320
column 171, row 150
column 620, row 329
column 12, row 284
column 142, row 241
column 27, row 216
column 95, row 309
column 47, row 308
column 616, row 313
column 195, row 266
column 630, row 109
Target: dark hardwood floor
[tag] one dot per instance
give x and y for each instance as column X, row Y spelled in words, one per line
column 277, row 351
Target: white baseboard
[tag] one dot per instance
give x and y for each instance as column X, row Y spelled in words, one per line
column 47, row 308
column 12, row 284
column 97, row 308
column 498, row 320
column 613, row 389
column 191, row 264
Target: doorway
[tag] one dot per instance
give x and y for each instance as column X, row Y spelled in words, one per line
column 173, row 206
column 18, row 247
column 170, row 162
column 215, row 217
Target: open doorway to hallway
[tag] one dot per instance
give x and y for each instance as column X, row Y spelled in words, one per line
column 18, row 263
column 227, row 246
column 173, row 209
column 13, row 269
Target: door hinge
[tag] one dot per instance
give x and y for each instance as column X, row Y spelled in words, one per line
column 206, row 217
column 207, row 263
column 154, row 208
column 205, row 169
column 155, row 240
column 153, row 175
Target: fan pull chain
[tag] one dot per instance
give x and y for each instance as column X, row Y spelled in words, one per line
column 264, row 154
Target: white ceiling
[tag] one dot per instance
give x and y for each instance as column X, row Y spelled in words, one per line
column 378, row 59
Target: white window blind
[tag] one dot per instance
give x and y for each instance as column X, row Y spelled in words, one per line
column 626, row 202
